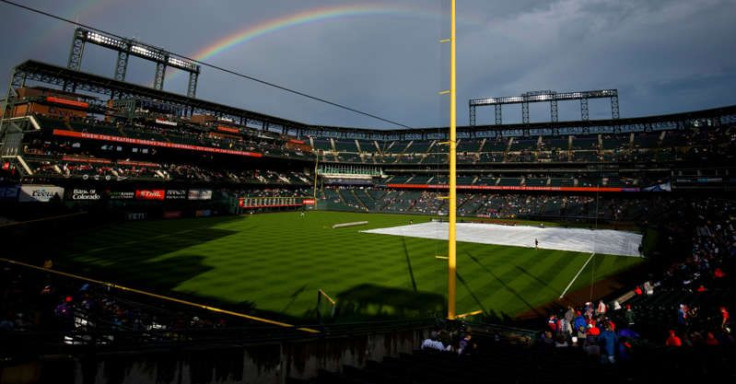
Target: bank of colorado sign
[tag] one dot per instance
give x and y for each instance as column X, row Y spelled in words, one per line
column 85, row 194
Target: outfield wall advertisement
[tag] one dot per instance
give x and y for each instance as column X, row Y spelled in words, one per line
column 39, row 193
column 150, row 194
column 176, row 194
column 122, row 195
column 200, row 194
column 84, row 194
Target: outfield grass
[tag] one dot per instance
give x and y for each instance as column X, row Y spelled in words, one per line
column 275, row 263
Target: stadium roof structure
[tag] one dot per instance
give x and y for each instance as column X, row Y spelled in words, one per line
column 75, row 81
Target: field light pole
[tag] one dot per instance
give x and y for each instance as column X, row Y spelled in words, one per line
column 452, row 251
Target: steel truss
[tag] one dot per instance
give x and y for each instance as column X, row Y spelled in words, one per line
column 543, row 97
column 129, row 47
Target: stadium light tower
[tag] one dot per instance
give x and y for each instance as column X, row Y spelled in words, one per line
column 128, row 47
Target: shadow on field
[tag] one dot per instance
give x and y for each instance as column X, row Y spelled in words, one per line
column 368, row 301
column 408, row 264
column 503, row 281
column 128, row 257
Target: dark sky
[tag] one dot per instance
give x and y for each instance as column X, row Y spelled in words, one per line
column 383, row 57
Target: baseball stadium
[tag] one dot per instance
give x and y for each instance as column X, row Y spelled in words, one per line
column 155, row 236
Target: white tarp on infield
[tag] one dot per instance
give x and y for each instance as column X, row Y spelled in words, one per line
column 603, row 241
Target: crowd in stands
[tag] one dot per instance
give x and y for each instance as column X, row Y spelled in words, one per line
column 687, row 304
column 76, row 312
column 698, row 144
column 497, row 205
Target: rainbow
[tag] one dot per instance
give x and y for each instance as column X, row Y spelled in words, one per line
column 301, row 18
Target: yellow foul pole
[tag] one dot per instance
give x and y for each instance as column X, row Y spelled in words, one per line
column 316, row 167
column 452, row 251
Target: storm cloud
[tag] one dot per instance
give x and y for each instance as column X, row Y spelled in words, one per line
column 664, row 56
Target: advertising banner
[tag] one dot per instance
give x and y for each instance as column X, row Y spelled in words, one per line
column 72, row 103
column 200, row 194
column 227, row 129
column 308, row 202
column 150, row 194
column 133, row 216
column 39, row 193
column 203, row 213
column 172, row 214
column 151, row 143
column 176, row 194
column 84, row 194
column 122, row 195
column 166, row 122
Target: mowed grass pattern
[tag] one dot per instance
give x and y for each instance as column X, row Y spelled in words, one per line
column 275, row 263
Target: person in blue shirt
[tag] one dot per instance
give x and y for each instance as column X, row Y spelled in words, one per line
column 608, row 341
column 580, row 325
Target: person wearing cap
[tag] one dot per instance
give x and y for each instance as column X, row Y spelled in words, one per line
column 629, row 315
column 608, row 341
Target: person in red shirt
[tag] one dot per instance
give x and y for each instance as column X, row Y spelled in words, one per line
column 711, row 340
column 725, row 318
column 673, row 340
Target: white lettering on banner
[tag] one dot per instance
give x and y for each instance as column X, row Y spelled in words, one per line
column 85, row 194
column 122, row 195
column 176, row 194
column 128, row 140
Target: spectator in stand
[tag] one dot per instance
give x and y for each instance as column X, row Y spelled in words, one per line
column 682, row 316
column 629, row 315
column 710, row 340
column 580, row 325
column 591, row 347
column 601, row 309
column 466, row 346
column 608, row 341
column 547, row 340
column 433, row 343
column 673, row 340
column 725, row 319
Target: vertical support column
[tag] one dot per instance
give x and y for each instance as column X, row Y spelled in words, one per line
column 497, row 112
column 584, row 109
column 76, row 51
column 553, row 111
column 158, row 81
column 121, row 65
column 525, row 112
column 192, row 87
column 75, row 58
column 472, row 116
column 614, row 107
